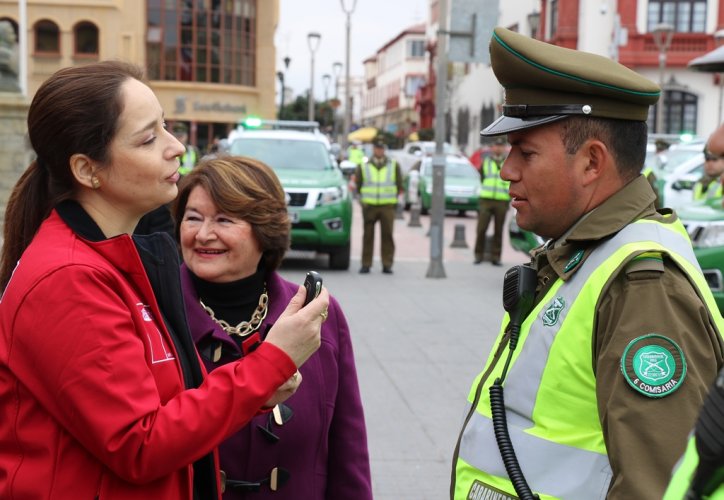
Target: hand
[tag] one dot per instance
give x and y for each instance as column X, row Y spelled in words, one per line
column 297, row 331
column 285, row 390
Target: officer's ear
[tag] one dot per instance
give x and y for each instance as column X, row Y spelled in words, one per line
column 596, row 160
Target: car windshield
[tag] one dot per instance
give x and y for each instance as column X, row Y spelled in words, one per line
column 429, row 148
column 284, row 153
column 452, row 169
column 676, row 157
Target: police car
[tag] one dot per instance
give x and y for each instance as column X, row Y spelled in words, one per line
column 318, row 201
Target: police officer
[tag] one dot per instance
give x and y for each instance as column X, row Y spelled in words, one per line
column 379, row 183
column 355, row 153
column 612, row 335
column 700, row 472
column 191, row 156
column 494, row 202
column 709, row 186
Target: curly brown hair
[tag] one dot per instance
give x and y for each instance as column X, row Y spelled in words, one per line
column 248, row 189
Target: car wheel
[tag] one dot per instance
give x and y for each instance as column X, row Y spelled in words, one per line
column 339, row 259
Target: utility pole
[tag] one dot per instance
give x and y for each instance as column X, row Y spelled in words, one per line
column 437, row 214
column 347, row 86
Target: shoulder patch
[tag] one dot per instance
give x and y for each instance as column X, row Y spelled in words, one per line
column 653, row 365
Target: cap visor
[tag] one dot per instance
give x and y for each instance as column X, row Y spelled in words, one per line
column 507, row 124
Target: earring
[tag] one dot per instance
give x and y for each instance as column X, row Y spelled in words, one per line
column 95, row 182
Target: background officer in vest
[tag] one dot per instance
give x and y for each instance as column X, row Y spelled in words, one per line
column 494, row 202
column 608, row 349
column 379, row 183
column 355, row 153
column 191, row 157
column 700, row 472
column 710, row 185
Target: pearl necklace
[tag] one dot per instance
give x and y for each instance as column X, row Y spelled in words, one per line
column 245, row 327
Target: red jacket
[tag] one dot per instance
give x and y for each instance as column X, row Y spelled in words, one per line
column 91, row 383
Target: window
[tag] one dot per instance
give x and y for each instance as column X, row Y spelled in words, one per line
column 47, row 37
column 86, row 38
column 686, row 16
column 415, row 49
column 487, row 115
column 202, row 41
column 412, row 83
column 554, row 17
column 680, row 113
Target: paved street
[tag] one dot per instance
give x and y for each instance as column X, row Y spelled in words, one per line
column 418, row 344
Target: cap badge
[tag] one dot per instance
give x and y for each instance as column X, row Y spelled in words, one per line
column 653, row 365
column 586, row 109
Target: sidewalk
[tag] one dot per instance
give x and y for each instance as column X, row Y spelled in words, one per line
column 419, row 342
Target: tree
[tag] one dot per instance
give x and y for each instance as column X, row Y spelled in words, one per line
column 298, row 110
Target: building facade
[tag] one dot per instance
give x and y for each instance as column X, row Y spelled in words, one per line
column 392, row 76
column 210, row 62
column 619, row 29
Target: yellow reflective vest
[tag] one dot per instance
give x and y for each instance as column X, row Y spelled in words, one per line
column 684, row 473
column 188, row 160
column 492, row 186
column 379, row 185
column 356, row 156
column 550, row 390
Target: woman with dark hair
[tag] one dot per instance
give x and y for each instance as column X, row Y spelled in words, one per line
column 233, row 227
column 102, row 392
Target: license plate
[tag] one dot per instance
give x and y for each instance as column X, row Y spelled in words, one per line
column 460, row 201
column 293, row 217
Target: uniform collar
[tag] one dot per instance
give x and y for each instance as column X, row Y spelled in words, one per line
column 634, row 201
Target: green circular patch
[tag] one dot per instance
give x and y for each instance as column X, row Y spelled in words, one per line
column 653, row 365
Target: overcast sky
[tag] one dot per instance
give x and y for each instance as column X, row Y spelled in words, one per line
column 373, row 22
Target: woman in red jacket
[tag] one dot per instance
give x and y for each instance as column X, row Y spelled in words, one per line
column 101, row 390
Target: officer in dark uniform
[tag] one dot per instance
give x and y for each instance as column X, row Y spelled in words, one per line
column 379, row 183
column 612, row 336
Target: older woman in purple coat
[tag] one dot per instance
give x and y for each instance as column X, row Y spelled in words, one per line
column 233, row 228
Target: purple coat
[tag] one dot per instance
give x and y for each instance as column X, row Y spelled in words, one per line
column 324, row 444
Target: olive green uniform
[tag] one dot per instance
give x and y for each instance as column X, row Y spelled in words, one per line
column 644, row 436
column 385, row 214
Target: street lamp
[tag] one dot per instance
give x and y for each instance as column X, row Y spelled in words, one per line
column 347, row 92
column 663, row 33
column 325, row 80
column 336, row 71
column 313, row 43
column 280, row 76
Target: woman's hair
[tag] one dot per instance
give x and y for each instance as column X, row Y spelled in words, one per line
column 248, row 189
column 75, row 111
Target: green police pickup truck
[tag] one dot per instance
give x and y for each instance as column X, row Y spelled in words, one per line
column 318, row 200
column 704, row 222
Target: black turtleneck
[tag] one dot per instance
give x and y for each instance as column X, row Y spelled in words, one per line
column 234, row 301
